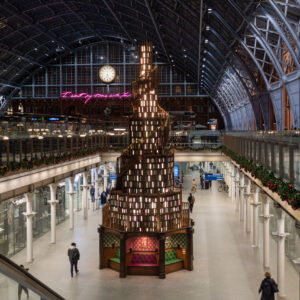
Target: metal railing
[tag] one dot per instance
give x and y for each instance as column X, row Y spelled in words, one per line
column 17, row 278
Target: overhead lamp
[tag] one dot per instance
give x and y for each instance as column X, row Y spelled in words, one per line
column 204, row 59
column 209, row 10
column 170, row 55
column 206, row 41
column 185, row 55
column 5, row 138
column 205, row 51
column 203, row 66
column 101, row 57
column 156, row 52
column 119, row 129
column 184, row 50
column 207, row 28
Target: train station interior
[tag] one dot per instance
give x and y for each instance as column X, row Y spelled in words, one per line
column 150, row 149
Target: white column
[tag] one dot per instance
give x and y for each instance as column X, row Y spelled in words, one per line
column 255, row 206
column 29, row 235
column 105, row 179
column 85, row 195
column 281, row 235
column 53, row 203
column 96, row 188
column 230, row 174
column 71, row 201
column 266, row 232
column 232, row 183
column 236, row 190
column 247, row 196
column 241, row 196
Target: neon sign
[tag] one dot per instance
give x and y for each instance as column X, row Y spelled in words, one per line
column 88, row 97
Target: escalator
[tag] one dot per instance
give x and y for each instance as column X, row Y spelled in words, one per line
column 15, row 280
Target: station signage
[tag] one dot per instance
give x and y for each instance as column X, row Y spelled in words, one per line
column 217, row 176
column 88, row 97
column 176, row 171
column 112, row 176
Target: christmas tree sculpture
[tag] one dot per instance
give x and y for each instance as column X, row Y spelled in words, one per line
column 145, row 204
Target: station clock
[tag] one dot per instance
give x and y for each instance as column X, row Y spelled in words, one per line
column 107, row 73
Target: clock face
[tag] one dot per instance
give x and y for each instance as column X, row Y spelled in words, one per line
column 107, row 73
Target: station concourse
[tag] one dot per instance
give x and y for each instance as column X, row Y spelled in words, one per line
column 161, row 138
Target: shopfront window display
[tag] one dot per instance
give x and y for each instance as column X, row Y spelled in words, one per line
column 12, row 223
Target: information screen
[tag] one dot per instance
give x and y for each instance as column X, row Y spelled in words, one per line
column 176, row 171
column 216, row 176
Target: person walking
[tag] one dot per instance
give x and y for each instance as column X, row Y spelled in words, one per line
column 74, row 256
column 191, row 200
column 202, row 181
column 92, row 193
column 22, row 288
column 268, row 288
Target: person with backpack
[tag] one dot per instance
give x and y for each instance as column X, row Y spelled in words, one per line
column 268, row 288
column 191, row 200
column 103, row 197
column 74, row 257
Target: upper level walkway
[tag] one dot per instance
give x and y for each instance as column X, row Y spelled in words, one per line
column 22, row 182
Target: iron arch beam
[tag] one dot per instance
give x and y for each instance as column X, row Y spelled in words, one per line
column 232, row 66
column 218, row 36
column 118, row 21
column 287, row 24
column 283, row 36
column 156, row 29
column 229, row 28
column 260, row 38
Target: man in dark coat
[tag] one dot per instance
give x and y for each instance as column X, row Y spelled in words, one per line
column 103, row 197
column 191, row 200
column 74, row 257
column 268, row 288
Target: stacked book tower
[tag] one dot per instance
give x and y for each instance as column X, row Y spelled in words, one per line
column 145, row 199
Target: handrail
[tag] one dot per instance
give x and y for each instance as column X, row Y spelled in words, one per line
column 16, row 273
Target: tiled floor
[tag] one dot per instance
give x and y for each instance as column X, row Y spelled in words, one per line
column 226, row 267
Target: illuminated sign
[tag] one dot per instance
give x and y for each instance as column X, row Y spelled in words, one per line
column 217, row 176
column 87, row 97
column 176, row 171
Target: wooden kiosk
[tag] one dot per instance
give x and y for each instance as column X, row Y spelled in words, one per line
column 146, row 227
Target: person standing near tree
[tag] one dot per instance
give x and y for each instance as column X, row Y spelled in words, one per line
column 74, row 257
column 268, row 288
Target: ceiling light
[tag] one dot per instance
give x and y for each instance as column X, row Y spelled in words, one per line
column 209, row 10
column 203, row 66
column 206, row 41
column 207, row 28
column 156, row 52
column 185, row 55
column 204, row 59
column 184, row 50
column 205, row 51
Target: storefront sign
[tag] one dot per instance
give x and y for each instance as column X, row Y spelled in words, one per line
column 87, row 97
column 19, row 202
column 217, row 176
